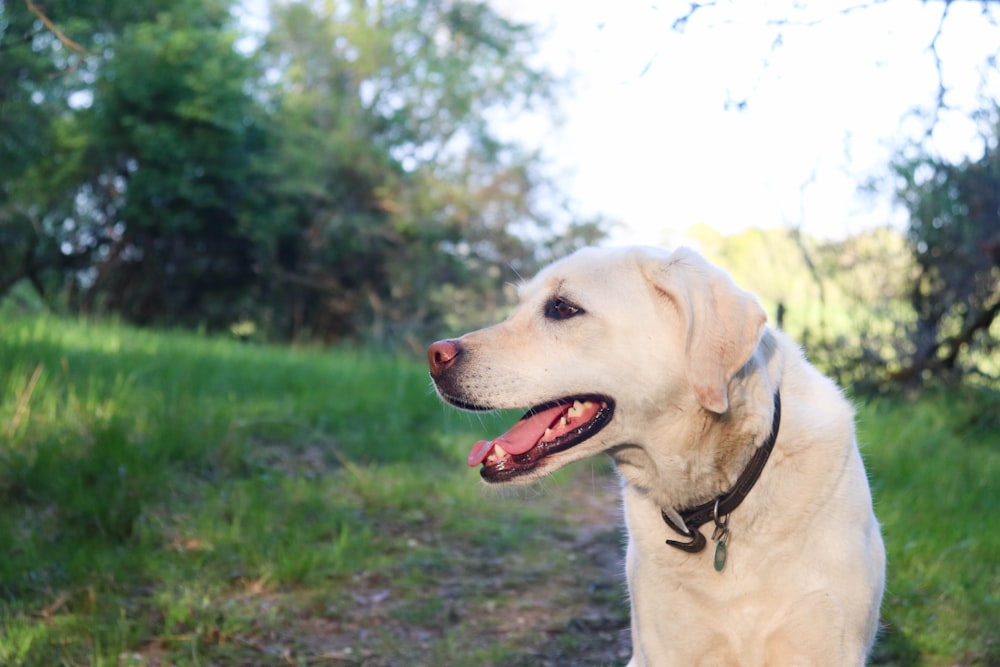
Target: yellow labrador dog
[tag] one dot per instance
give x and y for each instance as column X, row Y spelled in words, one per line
column 751, row 536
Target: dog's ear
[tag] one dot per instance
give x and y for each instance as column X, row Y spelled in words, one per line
column 724, row 323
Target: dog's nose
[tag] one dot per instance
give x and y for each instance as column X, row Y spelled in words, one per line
column 442, row 355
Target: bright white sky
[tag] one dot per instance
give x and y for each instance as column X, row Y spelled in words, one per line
column 647, row 139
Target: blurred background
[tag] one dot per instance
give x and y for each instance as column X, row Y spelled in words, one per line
column 230, row 228
column 384, row 171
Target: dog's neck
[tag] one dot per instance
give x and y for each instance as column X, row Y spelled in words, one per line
column 689, row 461
column 718, row 509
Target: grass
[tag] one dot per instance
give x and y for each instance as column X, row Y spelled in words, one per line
column 934, row 465
column 169, row 498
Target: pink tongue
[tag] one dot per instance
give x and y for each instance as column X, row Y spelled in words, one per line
column 522, row 436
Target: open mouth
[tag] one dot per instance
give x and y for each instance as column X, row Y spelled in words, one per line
column 543, row 431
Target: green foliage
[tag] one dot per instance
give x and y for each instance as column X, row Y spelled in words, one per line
column 388, row 189
column 850, row 303
column 954, row 233
column 841, row 300
column 178, row 498
column 33, row 97
column 164, row 172
column 342, row 176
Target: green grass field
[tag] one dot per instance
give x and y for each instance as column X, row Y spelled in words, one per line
column 168, row 498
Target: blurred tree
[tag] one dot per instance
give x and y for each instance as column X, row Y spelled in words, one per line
column 348, row 175
column 391, row 197
column 164, row 172
column 38, row 76
column 123, row 128
column 928, row 299
column 954, row 234
column 951, row 272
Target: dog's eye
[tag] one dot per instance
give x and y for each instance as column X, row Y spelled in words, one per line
column 560, row 309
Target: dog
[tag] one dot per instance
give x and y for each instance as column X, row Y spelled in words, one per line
column 751, row 535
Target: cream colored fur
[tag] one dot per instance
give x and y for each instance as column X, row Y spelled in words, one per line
column 693, row 367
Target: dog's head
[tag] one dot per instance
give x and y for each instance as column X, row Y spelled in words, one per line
column 601, row 345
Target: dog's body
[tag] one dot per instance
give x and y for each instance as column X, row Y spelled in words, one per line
column 670, row 369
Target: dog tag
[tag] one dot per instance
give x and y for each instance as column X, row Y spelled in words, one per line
column 721, row 536
column 720, row 555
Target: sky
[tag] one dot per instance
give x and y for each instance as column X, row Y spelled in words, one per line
column 652, row 138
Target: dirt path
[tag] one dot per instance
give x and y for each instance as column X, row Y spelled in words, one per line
column 587, row 596
column 558, row 599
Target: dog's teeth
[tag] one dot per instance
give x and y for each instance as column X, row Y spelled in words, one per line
column 548, row 433
column 576, row 410
column 500, row 451
column 563, row 421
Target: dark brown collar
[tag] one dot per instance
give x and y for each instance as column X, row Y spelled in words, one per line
column 718, row 509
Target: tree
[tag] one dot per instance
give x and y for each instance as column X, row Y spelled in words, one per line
column 954, row 234
column 163, row 174
column 38, row 74
column 111, row 112
column 389, row 191
column 954, row 219
column 345, row 178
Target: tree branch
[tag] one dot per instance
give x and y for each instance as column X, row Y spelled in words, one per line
column 70, row 44
column 681, row 21
column 952, row 346
column 939, row 104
